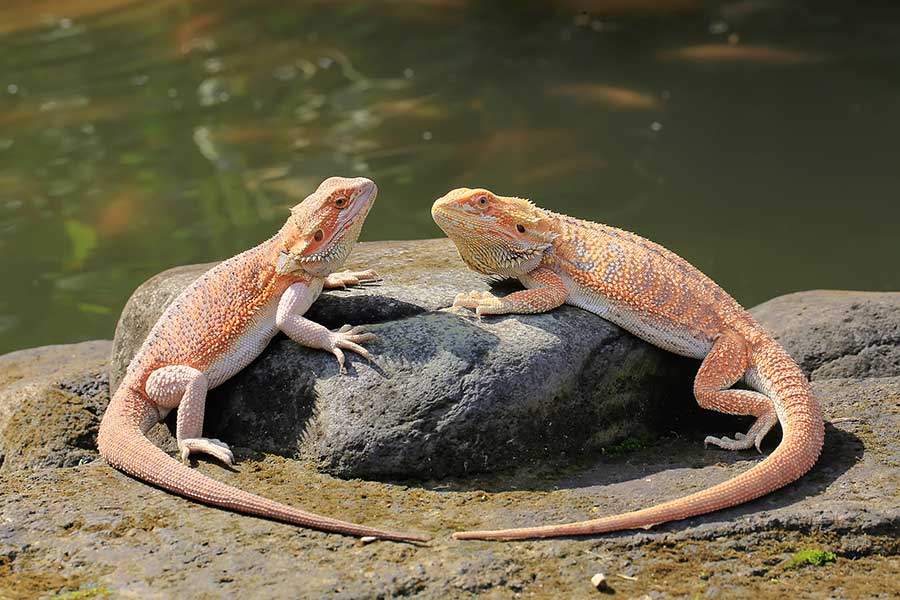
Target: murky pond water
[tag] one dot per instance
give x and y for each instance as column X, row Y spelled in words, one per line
column 757, row 138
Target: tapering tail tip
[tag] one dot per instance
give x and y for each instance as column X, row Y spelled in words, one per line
column 418, row 540
column 485, row 535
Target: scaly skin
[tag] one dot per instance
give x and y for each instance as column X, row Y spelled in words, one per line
column 217, row 326
column 659, row 297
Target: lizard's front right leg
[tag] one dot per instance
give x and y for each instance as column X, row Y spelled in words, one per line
column 289, row 319
column 548, row 292
column 185, row 388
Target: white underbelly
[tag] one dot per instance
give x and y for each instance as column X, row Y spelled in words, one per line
column 655, row 330
column 245, row 348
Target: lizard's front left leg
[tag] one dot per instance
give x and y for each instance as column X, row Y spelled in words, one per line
column 185, row 388
column 342, row 279
column 288, row 318
column 549, row 293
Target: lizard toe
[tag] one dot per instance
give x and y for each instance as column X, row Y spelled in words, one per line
column 726, row 443
column 212, row 447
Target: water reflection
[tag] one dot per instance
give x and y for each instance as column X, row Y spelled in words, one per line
column 137, row 136
column 607, row 95
column 735, row 53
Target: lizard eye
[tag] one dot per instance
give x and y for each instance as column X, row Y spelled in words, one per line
column 482, row 200
column 340, row 202
column 318, row 235
column 520, row 228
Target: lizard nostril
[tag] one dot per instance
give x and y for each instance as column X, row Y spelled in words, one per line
column 520, row 228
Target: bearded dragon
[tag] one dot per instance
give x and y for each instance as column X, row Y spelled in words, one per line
column 659, row 297
column 217, row 326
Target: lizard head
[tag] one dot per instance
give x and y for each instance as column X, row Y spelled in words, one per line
column 495, row 235
column 322, row 229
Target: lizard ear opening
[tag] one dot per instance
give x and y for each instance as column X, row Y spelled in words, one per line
column 520, row 228
column 318, row 235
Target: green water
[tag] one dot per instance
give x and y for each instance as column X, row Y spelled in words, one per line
column 757, row 138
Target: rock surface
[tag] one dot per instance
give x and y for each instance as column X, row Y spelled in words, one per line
column 449, row 395
column 834, row 334
column 91, row 529
column 51, row 400
column 71, row 527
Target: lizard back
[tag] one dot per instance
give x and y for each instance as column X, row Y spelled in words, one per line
column 642, row 286
column 217, row 318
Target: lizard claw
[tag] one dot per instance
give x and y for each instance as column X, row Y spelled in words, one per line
column 349, row 338
column 342, row 279
column 740, row 442
column 213, row 447
column 745, row 441
column 483, row 303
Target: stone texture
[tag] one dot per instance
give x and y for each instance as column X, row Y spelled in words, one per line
column 67, row 523
column 89, row 528
column 51, row 400
column 449, row 395
column 833, row 334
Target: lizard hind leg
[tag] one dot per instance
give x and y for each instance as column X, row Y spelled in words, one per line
column 757, row 405
column 724, row 366
column 185, row 387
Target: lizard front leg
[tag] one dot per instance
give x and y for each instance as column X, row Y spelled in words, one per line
column 342, row 279
column 288, row 318
column 185, row 388
column 548, row 292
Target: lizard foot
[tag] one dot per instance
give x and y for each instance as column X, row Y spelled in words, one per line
column 753, row 437
column 215, row 448
column 483, row 303
column 342, row 279
column 348, row 338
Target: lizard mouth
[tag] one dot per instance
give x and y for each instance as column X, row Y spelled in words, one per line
column 485, row 246
column 337, row 245
column 358, row 211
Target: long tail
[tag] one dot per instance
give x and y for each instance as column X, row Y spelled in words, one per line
column 803, row 435
column 122, row 443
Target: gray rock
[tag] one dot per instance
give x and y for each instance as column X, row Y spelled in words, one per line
column 449, row 395
column 51, row 399
column 834, row 334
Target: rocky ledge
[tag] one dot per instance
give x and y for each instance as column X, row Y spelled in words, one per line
column 513, row 420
